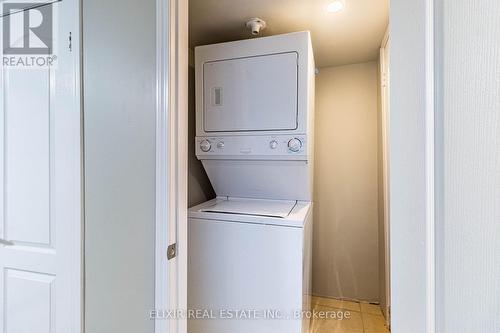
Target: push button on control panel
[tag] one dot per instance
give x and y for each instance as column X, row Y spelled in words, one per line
column 220, row 145
column 273, row 144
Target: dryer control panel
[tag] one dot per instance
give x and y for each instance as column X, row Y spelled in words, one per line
column 271, row 147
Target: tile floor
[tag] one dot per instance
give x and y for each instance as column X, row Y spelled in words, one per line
column 363, row 317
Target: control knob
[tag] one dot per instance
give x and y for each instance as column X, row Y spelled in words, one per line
column 205, row 146
column 294, row 145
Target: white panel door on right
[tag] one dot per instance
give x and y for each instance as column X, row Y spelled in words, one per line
column 251, row 94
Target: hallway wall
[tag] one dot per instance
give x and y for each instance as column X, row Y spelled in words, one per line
column 345, row 253
column 119, row 77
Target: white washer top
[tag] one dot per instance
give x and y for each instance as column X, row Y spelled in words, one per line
column 259, row 211
column 269, row 208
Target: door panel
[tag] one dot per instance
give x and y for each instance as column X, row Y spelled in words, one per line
column 27, row 156
column 29, row 302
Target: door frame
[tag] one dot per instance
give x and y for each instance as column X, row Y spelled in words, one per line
column 413, row 164
column 171, row 161
column 385, row 125
column 411, row 153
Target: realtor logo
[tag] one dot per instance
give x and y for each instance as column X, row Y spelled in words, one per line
column 27, row 28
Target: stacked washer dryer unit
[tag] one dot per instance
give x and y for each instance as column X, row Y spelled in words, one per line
column 249, row 259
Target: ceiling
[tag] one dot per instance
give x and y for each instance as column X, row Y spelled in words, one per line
column 350, row 36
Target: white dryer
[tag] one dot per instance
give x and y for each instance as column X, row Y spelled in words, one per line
column 249, row 251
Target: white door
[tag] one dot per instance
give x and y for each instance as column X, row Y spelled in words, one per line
column 40, row 175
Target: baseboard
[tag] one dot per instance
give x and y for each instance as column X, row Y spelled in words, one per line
column 387, row 314
column 347, row 299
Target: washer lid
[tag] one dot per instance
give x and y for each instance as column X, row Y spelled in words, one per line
column 254, row 207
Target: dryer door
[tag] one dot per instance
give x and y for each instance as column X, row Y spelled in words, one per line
column 251, row 94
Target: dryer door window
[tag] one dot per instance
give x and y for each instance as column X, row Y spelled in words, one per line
column 251, row 94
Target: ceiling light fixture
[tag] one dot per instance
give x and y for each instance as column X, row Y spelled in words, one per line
column 335, row 6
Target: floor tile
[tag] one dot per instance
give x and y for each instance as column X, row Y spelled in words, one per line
column 335, row 303
column 374, row 323
column 371, row 309
column 352, row 323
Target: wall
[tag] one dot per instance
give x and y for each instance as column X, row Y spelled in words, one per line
column 345, row 253
column 468, row 160
column 119, row 120
column 199, row 187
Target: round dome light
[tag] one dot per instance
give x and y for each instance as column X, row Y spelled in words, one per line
column 335, row 6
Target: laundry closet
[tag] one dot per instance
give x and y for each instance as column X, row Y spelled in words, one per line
column 250, row 247
column 287, row 177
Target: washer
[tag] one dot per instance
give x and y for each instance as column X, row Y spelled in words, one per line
column 250, row 255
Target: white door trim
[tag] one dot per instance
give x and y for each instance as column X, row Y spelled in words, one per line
column 162, row 240
column 171, row 160
column 430, row 166
column 71, row 101
column 413, row 165
column 415, row 290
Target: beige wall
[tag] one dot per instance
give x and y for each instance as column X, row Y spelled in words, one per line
column 199, row 187
column 345, row 253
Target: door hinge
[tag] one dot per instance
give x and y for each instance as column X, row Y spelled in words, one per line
column 172, row 251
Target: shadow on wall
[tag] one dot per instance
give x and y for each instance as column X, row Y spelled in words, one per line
column 345, row 250
column 199, row 187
